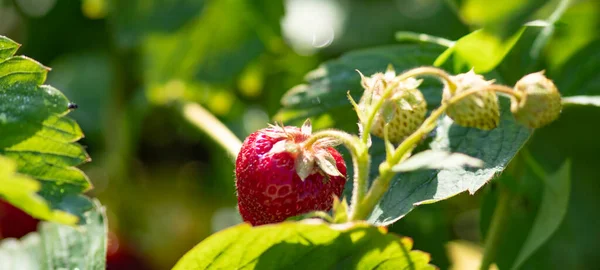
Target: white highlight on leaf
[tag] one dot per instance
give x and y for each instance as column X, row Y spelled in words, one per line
column 434, row 159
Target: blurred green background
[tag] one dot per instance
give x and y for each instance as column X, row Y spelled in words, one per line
column 167, row 186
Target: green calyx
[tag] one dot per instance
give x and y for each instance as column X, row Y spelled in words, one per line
column 539, row 102
column 308, row 159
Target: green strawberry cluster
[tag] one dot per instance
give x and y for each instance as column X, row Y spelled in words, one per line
column 535, row 101
column 467, row 98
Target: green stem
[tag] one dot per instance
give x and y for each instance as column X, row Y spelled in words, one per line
column 381, row 184
column 494, row 235
column 361, row 160
column 361, row 183
column 351, row 142
column 363, row 199
column 215, row 129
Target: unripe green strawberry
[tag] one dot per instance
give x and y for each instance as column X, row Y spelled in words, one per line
column 404, row 111
column 479, row 110
column 539, row 103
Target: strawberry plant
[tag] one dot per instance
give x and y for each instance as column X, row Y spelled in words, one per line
column 469, row 146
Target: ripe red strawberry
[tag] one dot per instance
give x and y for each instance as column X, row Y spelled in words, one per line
column 277, row 176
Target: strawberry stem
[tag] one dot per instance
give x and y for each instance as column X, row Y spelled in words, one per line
column 361, row 160
column 215, row 129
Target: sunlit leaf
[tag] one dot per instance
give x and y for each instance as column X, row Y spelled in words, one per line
column 36, row 134
column 548, row 31
column 309, row 244
column 578, row 29
column 481, row 50
column 7, row 48
column 21, row 191
column 505, row 16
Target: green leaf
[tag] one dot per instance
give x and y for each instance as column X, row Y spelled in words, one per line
column 495, row 148
column 326, row 88
column 57, row 246
column 581, row 74
column 555, row 202
column 582, row 29
column 551, row 146
column 582, row 100
column 548, row 30
column 20, row 191
column 36, row 134
column 503, row 16
column 431, row 159
column 481, row 50
column 309, row 244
